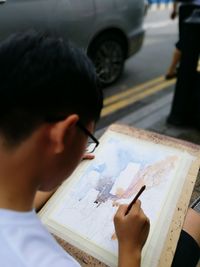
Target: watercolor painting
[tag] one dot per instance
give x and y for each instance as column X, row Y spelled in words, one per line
column 122, row 165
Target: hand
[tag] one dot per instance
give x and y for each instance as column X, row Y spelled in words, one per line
column 173, row 14
column 131, row 229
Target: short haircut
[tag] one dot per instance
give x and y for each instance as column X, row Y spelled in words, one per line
column 44, row 78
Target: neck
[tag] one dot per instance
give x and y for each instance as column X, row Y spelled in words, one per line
column 17, row 183
column 18, row 198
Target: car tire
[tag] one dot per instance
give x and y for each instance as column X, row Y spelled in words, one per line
column 107, row 52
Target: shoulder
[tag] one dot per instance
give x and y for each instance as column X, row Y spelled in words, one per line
column 28, row 243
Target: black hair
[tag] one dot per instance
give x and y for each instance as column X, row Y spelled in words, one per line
column 44, row 78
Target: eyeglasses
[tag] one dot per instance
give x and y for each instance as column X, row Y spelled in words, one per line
column 92, row 141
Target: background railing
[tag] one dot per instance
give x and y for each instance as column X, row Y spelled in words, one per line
column 159, row 1
column 162, row 4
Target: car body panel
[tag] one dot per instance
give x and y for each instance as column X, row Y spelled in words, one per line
column 72, row 19
column 80, row 21
column 20, row 15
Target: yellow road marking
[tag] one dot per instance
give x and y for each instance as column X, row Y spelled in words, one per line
column 132, row 99
column 133, row 94
column 132, row 90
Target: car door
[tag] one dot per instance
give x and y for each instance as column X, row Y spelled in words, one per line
column 20, row 15
column 107, row 15
column 121, row 4
column 75, row 19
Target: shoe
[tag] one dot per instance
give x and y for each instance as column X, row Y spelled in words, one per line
column 182, row 123
column 178, row 122
column 171, row 76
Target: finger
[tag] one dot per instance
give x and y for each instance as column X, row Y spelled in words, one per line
column 121, row 210
column 136, row 207
column 138, row 203
column 88, row 156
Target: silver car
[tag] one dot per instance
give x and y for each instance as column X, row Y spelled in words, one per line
column 109, row 30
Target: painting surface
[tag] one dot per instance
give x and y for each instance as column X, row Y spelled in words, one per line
column 121, row 166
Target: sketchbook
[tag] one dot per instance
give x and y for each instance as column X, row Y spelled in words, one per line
column 80, row 213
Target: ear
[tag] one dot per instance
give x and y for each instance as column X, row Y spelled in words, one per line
column 62, row 131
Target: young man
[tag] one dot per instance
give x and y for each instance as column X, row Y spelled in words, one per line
column 49, row 103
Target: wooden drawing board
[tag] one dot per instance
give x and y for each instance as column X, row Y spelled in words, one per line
column 163, row 240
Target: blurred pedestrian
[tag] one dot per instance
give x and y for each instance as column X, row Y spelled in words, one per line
column 186, row 103
column 185, row 10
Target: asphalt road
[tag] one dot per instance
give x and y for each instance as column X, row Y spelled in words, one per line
column 143, row 78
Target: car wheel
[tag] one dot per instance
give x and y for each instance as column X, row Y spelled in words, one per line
column 108, row 55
